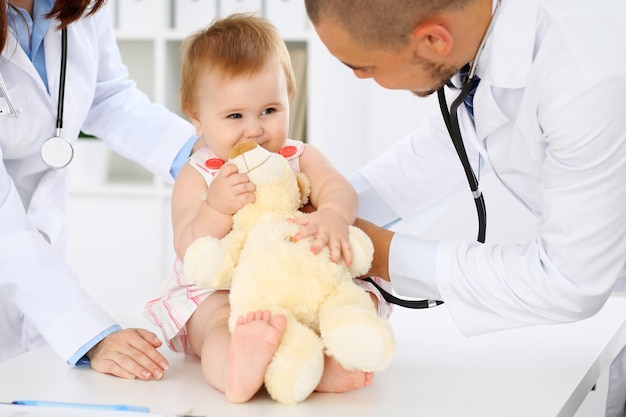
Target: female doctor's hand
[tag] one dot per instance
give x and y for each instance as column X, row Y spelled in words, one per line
column 130, row 354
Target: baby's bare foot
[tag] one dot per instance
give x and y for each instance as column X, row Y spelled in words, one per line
column 338, row 379
column 252, row 346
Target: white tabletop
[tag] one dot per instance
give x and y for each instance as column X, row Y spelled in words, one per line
column 536, row 371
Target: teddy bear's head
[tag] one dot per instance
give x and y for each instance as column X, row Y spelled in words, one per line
column 277, row 185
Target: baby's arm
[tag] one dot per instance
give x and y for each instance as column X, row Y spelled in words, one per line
column 199, row 211
column 336, row 203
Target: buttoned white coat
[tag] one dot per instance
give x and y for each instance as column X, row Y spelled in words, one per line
column 39, row 294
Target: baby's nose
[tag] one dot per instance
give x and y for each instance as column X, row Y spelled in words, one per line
column 253, row 130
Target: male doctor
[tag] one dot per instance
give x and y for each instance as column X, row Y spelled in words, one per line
column 547, row 121
column 40, row 298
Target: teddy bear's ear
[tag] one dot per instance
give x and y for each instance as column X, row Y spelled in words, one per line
column 305, row 187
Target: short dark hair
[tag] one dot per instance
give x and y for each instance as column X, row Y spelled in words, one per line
column 379, row 23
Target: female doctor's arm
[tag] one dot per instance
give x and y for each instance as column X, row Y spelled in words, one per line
column 37, row 282
column 122, row 115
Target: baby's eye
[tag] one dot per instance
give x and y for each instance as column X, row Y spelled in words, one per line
column 235, row 116
column 268, row 111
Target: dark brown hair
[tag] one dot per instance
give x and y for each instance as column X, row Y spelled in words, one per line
column 65, row 11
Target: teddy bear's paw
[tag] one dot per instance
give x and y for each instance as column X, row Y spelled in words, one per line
column 298, row 382
column 359, row 339
column 359, row 347
column 362, row 251
column 203, row 261
column 297, row 365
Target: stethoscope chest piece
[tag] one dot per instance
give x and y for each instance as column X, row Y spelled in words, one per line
column 57, row 152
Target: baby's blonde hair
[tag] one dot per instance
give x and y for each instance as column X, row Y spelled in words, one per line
column 240, row 44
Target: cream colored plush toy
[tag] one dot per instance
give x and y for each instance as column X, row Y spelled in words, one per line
column 267, row 269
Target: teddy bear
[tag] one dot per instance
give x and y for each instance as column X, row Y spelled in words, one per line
column 267, row 269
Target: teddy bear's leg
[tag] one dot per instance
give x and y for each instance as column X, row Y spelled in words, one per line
column 298, row 363
column 352, row 331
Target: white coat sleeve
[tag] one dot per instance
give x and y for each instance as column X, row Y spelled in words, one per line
column 564, row 275
column 35, row 278
column 567, row 273
column 124, row 117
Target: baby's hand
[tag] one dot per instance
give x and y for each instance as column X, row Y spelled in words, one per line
column 229, row 191
column 329, row 229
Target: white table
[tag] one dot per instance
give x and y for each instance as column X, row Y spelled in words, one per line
column 536, row 371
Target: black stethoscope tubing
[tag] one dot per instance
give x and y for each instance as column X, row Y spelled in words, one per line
column 61, row 100
column 451, row 119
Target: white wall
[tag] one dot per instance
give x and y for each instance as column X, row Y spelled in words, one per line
column 354, row 120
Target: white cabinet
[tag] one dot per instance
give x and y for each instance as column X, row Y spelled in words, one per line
column 143, row 16
column 289, row 16
column 240, row 6
column 193, row 14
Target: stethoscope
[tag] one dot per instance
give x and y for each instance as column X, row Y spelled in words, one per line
column 451, row 120
column 57, row 152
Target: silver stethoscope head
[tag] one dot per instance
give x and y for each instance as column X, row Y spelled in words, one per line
column 57, row 152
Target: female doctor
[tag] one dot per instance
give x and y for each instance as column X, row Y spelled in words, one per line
column 40, row 118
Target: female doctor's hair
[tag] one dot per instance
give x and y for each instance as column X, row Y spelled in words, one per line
column 65, row 11
column 379, row 23
column 239, row 44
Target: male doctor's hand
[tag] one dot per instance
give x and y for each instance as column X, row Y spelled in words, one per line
column 130, row 354
column 381, row 238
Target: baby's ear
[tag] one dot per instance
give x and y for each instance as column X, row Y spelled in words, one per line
column 305, row 187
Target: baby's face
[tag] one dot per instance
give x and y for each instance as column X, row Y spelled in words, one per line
column 252, row 108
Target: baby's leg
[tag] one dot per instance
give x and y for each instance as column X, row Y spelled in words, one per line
column 254, row 341
column 234, row 365
column 210, row 338
column 338, row 379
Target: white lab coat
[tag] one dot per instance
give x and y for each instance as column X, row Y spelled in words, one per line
column 550, row 124
column 39, row 294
